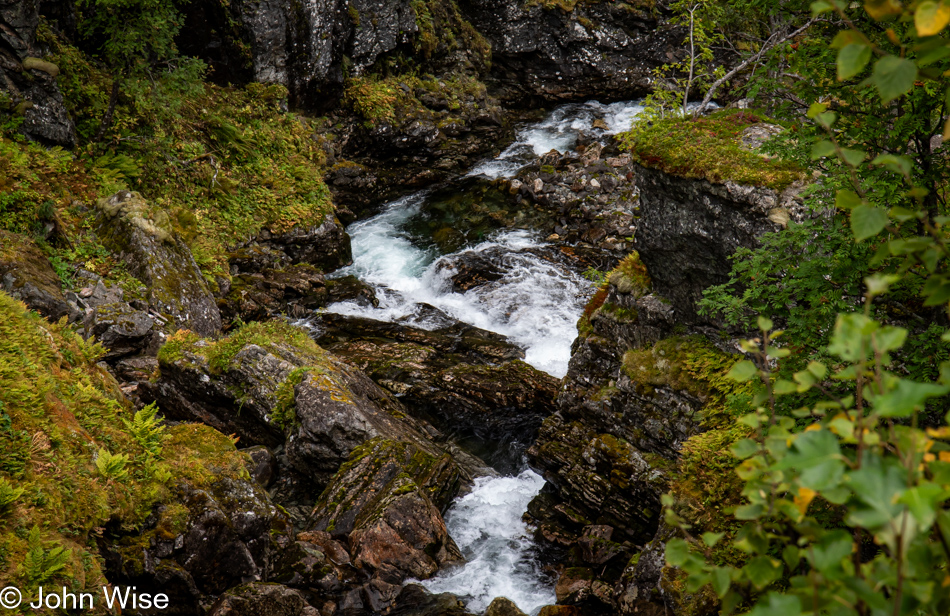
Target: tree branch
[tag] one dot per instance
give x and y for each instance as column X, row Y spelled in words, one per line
column 766, row 46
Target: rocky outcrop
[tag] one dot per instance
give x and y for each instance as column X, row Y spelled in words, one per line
column 638, row 386
column 269, row 384
column 211, row 537
column 560, row 51
column 26, row 275
column 260, row 599
column 27, row 82
column 466, row 381
column 326, row 246
column 688, row 229
column 387, row 501
column 437, row 127
column 143, row 238
column 308, row 47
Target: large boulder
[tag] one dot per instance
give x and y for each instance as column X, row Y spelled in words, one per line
column 143, row 237
column 26, row 275
column 218, row 530
column 688, row 229
column 387, row 502
column 466, row 381
column 28, row 81
column 270, row 384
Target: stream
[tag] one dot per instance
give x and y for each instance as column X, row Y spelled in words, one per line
column 407, row 253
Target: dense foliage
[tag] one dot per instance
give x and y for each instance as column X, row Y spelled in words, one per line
column 845, row 473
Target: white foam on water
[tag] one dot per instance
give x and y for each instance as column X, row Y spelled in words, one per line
column 486, row 524
column 535, row 304
column 559, row 132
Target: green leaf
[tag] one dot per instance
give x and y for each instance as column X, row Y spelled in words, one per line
column 815, row 109
column 937, row 290
column 765, row 324
column 816, row 455
column 775, row 604
column 677, row 552
column 878, row 486
column 827, row 555
column 822, row 149
column 853, row 158
column 907, row 397
column 711, row 539
column 742, row 371
column 745, row 448
column 878, row 284
column 889, row 338
column 900, row 164
column 852, row 59
column 847, row 200
column 721, row 581
column 893, row 77
column 867, row 221
column 924, row 501
column 851, row 337
column 762, row 571
column 818, row 369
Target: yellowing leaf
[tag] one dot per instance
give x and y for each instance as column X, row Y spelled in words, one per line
column 931, row 17
column 804, row 498
column 882, row 9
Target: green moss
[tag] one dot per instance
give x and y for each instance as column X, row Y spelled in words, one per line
column 222, row 163
column 58, row 408
column 707, row 148
column 285, row 411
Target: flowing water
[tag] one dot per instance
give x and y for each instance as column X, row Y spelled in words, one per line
column 536, row 303
column 486, row 524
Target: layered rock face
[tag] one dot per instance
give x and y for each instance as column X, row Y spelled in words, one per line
column 646, row 375
column 562, row 51
column 689, row 228
column 27, row 81
column 466, row 381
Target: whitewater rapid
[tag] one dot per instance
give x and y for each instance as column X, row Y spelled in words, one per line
column 536, row 303
column 486, row 524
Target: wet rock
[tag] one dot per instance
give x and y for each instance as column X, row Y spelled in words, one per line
column 26, row 275
column 541, row 52
column 573, row 586
column 415, row 600
column 689, row 228
column 326, row 246
column 560, row 610
column 135, row 369
column 294, row 290
column 260, row 599
column 351, row 289
column 143, row 238
column 502, row 606
column 593, row 197
column 30, row 81
column 275, row 386
column 211, row 538
column 386, row 502
column 460, row 378
column 649, row 586
column 264, row 469
column 121, row 329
